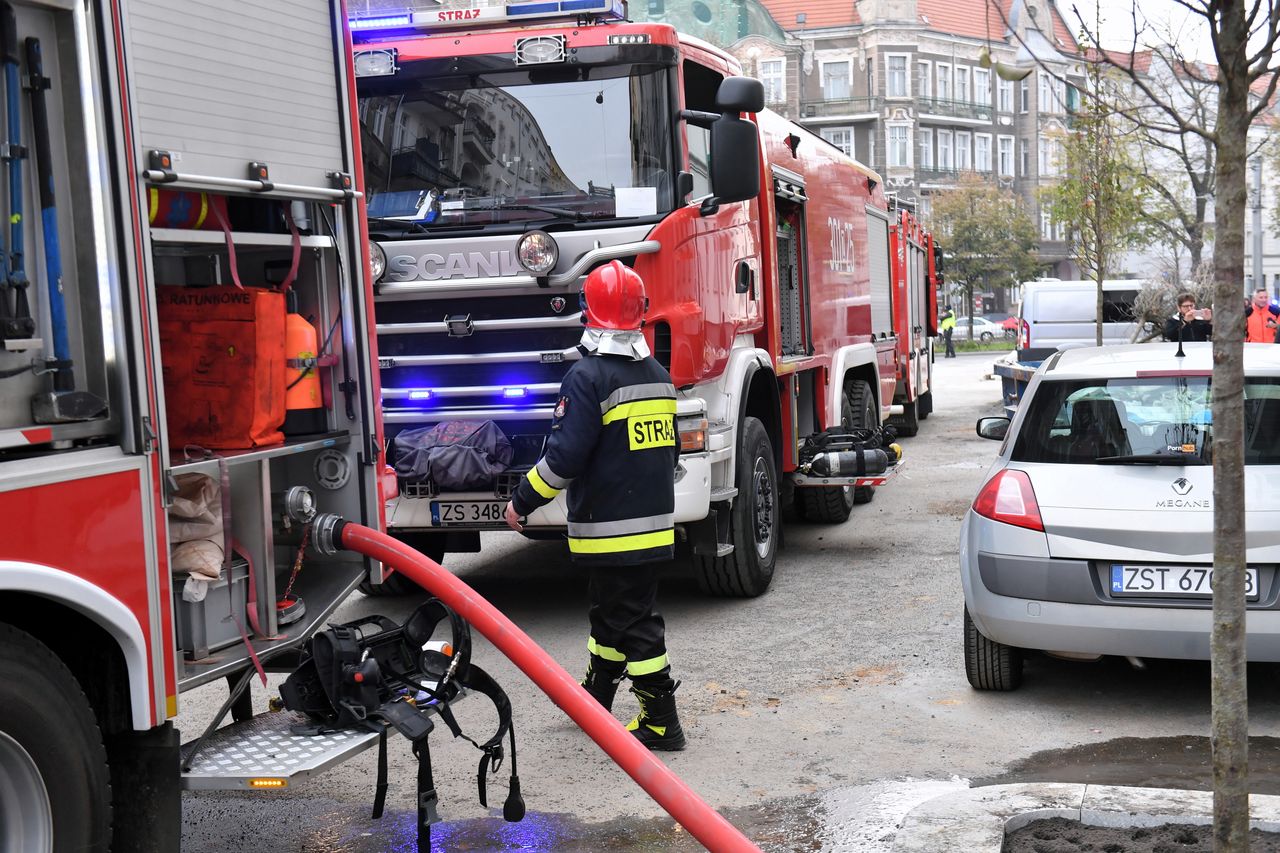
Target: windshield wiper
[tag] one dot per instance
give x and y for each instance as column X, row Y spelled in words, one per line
column 562, row 212
column 1152, row 459
column 403, row 224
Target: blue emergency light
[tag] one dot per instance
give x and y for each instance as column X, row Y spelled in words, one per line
column 480, row 13
column 515, row 393
column 421, row 394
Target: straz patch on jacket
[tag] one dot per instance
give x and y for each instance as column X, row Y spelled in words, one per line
column 649, row 431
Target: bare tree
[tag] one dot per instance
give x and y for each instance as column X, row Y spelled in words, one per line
column 1244, row 36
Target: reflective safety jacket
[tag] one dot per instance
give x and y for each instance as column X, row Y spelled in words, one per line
column 614, row 446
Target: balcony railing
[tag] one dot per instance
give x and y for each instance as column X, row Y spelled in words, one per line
column 937, row 176
column 840, row 107
column 954, row 109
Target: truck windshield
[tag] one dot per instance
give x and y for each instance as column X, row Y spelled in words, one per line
column 577, row 144
column 1163, row 420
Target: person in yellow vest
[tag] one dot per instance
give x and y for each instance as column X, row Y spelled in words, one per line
column 948, row 327
column 1260, row 319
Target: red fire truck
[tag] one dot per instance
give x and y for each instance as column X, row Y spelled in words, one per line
column 191, row 145
column 510, row 149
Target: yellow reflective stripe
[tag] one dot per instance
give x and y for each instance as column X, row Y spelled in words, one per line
column 640, row 407
column 153, row 197
column 660, row 731
column 604, row 651
column 540, row 485
column 622, row 544
column 648, row 667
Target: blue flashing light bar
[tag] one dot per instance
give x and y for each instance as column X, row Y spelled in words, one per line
column 421, row 394
column 515, row 393
column 481, row 13
column 385, row 22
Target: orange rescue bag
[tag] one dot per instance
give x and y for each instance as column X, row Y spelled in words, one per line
column 223, row 353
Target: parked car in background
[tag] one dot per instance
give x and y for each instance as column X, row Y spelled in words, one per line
column 983, row 329
column 1059, row 314
column 1093, row 533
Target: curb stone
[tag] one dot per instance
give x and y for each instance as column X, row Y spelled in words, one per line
column 976, row 819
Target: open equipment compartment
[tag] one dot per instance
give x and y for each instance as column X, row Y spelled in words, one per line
column 58, row 240
column 266, row 164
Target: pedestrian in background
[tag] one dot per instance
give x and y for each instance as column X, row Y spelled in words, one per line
column 948, row 327
column 1190, row 323
column 614, row 446
column 1260, row 319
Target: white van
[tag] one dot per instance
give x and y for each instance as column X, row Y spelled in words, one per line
column 1058, row 314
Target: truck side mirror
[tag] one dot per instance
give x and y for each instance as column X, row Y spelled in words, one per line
column 740, row 95
column 735, row 159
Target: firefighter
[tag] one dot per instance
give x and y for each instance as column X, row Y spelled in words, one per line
column 614, row 446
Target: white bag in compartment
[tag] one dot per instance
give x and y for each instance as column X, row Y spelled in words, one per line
column 195, row 531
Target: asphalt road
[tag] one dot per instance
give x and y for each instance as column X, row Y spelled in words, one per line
column 816, row 714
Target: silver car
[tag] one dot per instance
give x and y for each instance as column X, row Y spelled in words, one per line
column 1093, row 533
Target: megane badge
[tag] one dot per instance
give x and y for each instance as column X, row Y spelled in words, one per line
column 1181, row 486
column 557, row 304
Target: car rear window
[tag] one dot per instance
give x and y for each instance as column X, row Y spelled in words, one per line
column 1078, row 422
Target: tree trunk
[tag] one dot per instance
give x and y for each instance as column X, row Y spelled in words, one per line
column 1230, row 727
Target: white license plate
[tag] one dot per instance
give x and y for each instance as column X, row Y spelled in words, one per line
column 467, row 513
column 1172, row 581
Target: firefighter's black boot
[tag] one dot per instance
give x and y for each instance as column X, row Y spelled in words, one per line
column 602, row 679
column 657, row 726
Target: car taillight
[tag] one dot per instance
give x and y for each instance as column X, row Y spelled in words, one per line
column 1009, row 498
column 1024, row 335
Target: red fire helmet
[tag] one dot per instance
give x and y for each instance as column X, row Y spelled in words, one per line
column 613, row 297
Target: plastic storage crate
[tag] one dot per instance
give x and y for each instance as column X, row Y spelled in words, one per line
column 206, row 626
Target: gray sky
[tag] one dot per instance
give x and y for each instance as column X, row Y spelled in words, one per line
column 1164, row 19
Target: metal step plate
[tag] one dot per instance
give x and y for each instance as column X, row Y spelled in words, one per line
column 264, row 754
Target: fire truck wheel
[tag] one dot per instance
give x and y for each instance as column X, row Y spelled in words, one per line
column 907, row 424
column 829, row 504
column 924, row 406
column 398, row 584
column 53, row 765
column 863, row 405
column 754, row 522
column 989, row 665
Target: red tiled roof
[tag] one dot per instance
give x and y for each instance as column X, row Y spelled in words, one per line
column 1121, row 58
column 818, row 15
column 974, row 18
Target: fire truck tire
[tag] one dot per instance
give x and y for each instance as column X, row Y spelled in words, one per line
column 398, row 584
column 989, row 665
column 754, row 523
column 924, row 406
column 829, row 504
column 53, row 764
column 862, row 404
column 907, row 424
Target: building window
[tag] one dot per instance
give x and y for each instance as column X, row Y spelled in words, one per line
column 964, row 151
column 1006, row 156
column 943, row 76
column 871, row 79
column 1046, row 225
column 773, row 74
column 982, row 86
column 926, row 210
column 899, row 145
column 1024, row 157
column 896, row 84
column 945, row 161
column 835, row 81
column 924, row 148
column 871, row 149
column 1005, row 90
column 1024, row 96
column 924, row 78
column 962, row 83
column 841, row 138
column 982, row 152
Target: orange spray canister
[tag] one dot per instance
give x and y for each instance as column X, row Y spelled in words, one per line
column 303, row 400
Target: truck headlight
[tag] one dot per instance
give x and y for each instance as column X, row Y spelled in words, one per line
column 377, row 262
column 693, row 434
column 537, row 252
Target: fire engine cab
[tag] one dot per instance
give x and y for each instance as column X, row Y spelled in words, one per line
column 510, row 149
column 186, row 377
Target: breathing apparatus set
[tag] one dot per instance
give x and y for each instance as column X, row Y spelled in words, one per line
column 843, row 452
column 375, row 674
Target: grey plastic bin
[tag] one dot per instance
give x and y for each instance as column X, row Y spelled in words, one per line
column 204, row 626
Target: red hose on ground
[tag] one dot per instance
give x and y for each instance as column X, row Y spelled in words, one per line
column 702, row 821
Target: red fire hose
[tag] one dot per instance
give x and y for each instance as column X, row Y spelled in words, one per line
column 670, row 792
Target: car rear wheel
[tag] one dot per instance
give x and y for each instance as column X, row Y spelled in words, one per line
column 986, row 337
column 988, row 664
